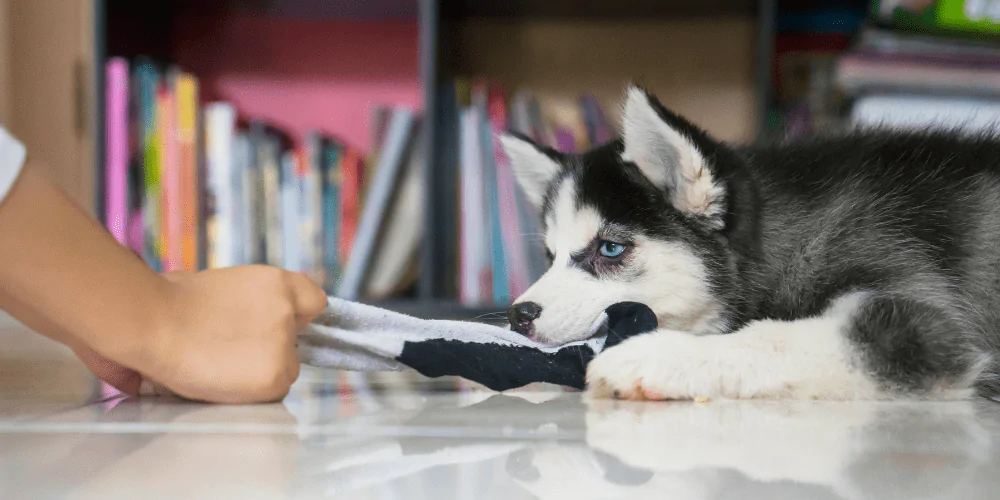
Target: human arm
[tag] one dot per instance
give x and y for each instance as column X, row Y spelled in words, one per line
column 223, row 335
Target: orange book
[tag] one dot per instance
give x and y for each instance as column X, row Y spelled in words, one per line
column 169, row 213
column 350, row 199
column 187, row 147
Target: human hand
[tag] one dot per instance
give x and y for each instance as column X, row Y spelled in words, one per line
column 229, row 335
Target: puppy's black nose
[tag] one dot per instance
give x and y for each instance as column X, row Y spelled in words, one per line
column 521, row 315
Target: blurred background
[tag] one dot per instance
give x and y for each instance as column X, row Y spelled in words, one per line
column 355, row 141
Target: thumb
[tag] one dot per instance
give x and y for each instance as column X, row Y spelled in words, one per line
column 308, row 299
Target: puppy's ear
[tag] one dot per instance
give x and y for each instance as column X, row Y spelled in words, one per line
column 534, row 168
column 663, row 146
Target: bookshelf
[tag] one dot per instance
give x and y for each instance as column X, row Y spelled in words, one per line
column 733, row 38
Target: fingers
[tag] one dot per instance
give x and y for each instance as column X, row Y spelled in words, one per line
column 308, row 299
column 121, row 378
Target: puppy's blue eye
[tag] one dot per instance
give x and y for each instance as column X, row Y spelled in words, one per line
column 611, row 249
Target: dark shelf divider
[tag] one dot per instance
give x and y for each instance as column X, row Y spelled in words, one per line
column 432, row 243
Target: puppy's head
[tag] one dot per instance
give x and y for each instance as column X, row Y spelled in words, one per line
column 643, row 219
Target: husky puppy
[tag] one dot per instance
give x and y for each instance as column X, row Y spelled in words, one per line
column 861, row 266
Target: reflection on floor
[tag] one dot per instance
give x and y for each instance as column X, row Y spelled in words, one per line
column 403, row 436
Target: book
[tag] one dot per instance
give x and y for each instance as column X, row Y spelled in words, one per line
column 188, row 171
column 149, row 138
column 201, row 187
column 526, row 120
column 170, row 213
column 929, row 48
column 289, row 225
column 246, row 238
column 515, row 259
column 310, row 211
column 474, row 269
column 963, row 18
column 379, row 122
column 500, row 283
column 391, row 160
column 402, row 228
column 352, row 170
column 858, row 73
column 221, row 201
column 923, row 112
column 253, row 189
column 117, row 149
column 329, row 156
column 269, row 158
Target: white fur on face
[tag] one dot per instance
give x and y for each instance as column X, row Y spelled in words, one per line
column 665, row 276
column 669, row 159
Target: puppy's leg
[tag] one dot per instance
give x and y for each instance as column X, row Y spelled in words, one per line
column 865, row 346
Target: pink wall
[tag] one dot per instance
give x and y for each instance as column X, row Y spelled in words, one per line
column 302, row 75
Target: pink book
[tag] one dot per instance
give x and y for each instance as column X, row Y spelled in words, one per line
column 513, row 240
column 116, row 167
column 171, row 217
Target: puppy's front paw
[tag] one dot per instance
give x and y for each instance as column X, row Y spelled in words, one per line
column 643, row 368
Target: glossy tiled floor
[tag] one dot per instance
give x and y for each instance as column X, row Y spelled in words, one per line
column 405, row 438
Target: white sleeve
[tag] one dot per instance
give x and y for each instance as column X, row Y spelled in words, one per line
column 11, row 160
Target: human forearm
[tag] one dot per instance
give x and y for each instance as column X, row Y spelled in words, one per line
column 225, row 335
column 64, row 276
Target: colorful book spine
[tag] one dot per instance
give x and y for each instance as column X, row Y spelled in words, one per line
column 290, row 193
column 244, row 194
column 150, row 136
column 187, row 166
column 352, row 168
column 524, row 122
column 379, row 125
column 513, row 241
column 311, row 223
column 220, row 125
column 473, row 268
column 116, row 168
column 171, row 218
column 270, row 171
column 253, row 186
column 167, row 143
column 391, row 162
column 500, row 286
column 329, row 159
